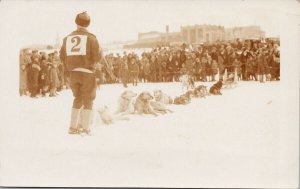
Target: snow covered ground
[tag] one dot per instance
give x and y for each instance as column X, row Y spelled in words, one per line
column 230, row 140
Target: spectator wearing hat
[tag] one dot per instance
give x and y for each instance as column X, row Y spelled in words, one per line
column 117, row 64
column 159, row 60
column 237, row 67
column 221, row 65
column 230, row 58
column 34, row 74
column 182, row 55
column 147, row 69
column 142, row 64
column 54, row 75
column 214, row 69
column 203, row 66
column 177, row 68
column 53, row 79
column 124, row 71
column 261, row 62
column 214, row 54
column 163, row 66
column 197, row 69
column 25, row 66
column 43, row 76
column 249, row 69
column 153, row 68
column 208, row 65
column 269, row 62
column 23, row 79
column 243, row 60
column 189, row 62
column 276, row 62
column 171, row 67
column 134, row 71
column 60, row 71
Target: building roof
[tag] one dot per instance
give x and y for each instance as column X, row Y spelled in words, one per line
column 202, row 26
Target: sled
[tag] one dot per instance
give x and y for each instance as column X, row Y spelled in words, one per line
column 108, row 70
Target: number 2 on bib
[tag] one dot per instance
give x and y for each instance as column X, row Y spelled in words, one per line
column 76, row 45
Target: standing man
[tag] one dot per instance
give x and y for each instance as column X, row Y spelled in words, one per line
column 261, row 62
column 80, row 53
column 134, row 71
column 124, row 71
column 34, row 73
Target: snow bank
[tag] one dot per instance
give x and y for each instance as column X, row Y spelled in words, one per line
column 220, row 141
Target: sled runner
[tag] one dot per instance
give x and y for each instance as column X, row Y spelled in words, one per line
column 108, row 70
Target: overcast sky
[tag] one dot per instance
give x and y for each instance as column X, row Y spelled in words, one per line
column 40, row 21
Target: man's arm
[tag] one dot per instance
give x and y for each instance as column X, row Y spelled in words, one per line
column 96, row 51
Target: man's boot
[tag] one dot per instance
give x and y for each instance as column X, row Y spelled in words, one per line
column 86, row 118
column 74, row 121
column 80, row 118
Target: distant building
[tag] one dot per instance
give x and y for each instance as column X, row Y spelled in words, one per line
column 202, row 33
column 197, row 34
column 245, row 32
column 172, row 37
column 152, row 36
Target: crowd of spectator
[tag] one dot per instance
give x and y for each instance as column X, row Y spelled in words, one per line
column 42, row 73
column 253, row 60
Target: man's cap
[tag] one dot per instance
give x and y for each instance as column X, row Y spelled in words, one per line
column 83, row 19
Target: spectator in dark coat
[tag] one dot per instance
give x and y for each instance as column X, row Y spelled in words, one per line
column 23, row 80
column 153, row 68
column 147, row 70
column 203, row 66
column 197, row 69
column 276, row 63
column 34, row 75
column 214, row 69
column 142, row 64
column 53, row 78
column 237, row 66
column 221, row 64
column 171, row 67
column 25, row 63
column 249, row 69
column 124, row 71
column 261, row 62
column 134, row 71
column 43, row 76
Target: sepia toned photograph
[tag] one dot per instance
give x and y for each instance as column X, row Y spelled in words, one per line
column 181, row 94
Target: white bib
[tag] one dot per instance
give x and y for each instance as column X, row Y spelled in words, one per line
column 76, row 45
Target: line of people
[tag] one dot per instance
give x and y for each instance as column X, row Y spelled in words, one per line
column 253, row 60
column 41, row 73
